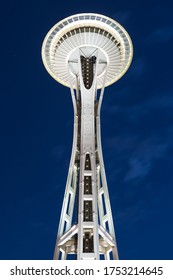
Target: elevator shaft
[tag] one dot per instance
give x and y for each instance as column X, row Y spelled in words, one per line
column 93, row 233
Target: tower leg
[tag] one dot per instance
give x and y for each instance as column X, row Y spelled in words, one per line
column 70, row 194
column 107, row 255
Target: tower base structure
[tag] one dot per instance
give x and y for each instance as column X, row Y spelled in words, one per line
column 86, row 52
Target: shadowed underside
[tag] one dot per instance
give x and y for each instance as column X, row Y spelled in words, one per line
column 89, row 32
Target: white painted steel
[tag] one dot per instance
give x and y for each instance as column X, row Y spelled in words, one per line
column 87, row 35
column 87, row 146
column 87, row 31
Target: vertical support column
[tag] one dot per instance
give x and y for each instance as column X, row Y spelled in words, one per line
column 88, row 237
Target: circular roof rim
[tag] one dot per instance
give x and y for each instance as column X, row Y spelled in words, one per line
column 82, row 14
column 94, row 20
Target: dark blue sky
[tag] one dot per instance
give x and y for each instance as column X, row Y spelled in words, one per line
column 37, row 125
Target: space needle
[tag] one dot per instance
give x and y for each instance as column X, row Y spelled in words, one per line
column 86, row 52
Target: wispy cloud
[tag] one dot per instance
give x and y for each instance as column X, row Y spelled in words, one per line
column 143, row 158
column 138, row 67
column 139, row 168
column 158, row 100
column 145, row 138
column 138, row 155
column 162, row 34
column 122, row 16
column 120, row 143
